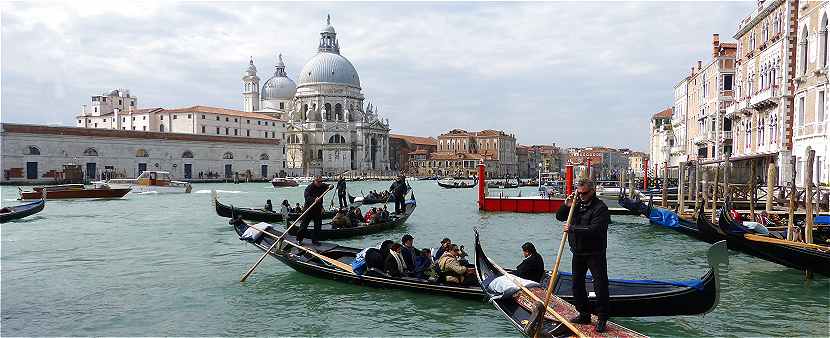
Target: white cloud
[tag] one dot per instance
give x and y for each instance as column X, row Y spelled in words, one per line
column 544, row 71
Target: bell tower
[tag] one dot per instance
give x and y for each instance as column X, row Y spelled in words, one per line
column 250, row 88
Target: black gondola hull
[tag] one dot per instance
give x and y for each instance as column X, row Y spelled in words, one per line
column 328, row 232
column 23, row 210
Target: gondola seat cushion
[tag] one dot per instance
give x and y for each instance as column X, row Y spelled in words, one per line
column 252, row 235
column 505, row 286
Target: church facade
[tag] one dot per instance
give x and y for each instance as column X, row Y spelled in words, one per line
column 330, row 127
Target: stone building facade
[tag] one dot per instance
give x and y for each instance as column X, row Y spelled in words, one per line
column 487, row 145
column 763, row 111
column 811, row 125
column 662, row 137
column 35, row 153
column 403, row 147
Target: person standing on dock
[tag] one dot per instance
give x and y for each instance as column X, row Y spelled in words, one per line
column 588, row 238
column 312, row 191
column 341, row 192
column 398, row 190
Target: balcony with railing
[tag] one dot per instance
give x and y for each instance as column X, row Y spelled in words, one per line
column 766, row 96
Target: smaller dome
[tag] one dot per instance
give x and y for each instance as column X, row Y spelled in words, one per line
column 251, row 71
column 328, row 28
column 278, row 88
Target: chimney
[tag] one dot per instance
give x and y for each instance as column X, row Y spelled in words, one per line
column 699, row 64
column 715, row 45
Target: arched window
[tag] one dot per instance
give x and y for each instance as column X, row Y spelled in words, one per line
column 823, row 41
column 32, row 150
column 766, row 32
column 338, row 112
column 320, row 154
column 803, row 50
column 161, row 128
column 142, row 153
column 227, row 156
column 304, row 112
column 187, row 154
column 336, row 138
column 264, row 157
column 328, row 111
column 90, row 152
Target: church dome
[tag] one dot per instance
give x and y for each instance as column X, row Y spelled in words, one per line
column 279, row 86
column 328, row 67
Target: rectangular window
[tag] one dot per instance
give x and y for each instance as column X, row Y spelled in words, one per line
column 132, row 103
column 820, row 108
column 144, row 117
column 79, row 121
column 258, row 123
column 203, row 116
column 217, row 130
column 175, row 117
column 96, row 125
column 133, row 127
column 203, row 129
column 188, row 116
column 727, row 82
column 235, row 132
column 273, row 124
column 235, row 120
column 161, row 117
column 144, row 128
column 133, row 118
column 801, row 111
column 217, row 118
column 95, row 109
column 282, row 105
column 227, row 131
column 248, row 121
column 227, row 119
column 248, row 132
column 105, row 120
column 119, row 102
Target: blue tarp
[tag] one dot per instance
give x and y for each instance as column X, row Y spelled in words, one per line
column 692, row 283
column 822, row 220
column 664, row 218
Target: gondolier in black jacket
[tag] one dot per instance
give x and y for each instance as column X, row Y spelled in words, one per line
column 312, row 191
column 341, row 192
column 398, row 190
column 588, row 237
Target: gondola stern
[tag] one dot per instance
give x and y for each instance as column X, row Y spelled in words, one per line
column 716, row 255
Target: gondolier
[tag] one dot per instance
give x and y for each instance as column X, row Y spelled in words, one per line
column 312, row 192
column 341, row 192
column 588, row 237
column 398, row 190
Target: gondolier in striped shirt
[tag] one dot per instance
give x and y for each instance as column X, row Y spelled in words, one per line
column 588, row 237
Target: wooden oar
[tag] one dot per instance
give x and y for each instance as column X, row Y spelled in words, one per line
column 331, row 261
column 251, row 270
column 554, row 274
column 530, row 294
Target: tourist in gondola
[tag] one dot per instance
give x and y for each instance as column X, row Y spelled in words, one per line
column 298, row 208
column 452, row 270
column 398, row 191
column 384, row 214
column 355, row 216
column 424, row 265
column 409, row 252
column 341, row 192
column 285, row 208
column 315, row 213
column 341, row 220
column 376, row 257
column 588, row 237
column 532, row 267
column 370, row 215
column 268, row 206
column 439, row 251
column 394, row 264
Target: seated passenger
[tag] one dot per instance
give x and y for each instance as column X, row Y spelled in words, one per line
column 268, row 206
column 532, row 267
column 340, row 220
column 439, row 251
column 394, row 265
column 384, row 214
column 369, row 215
column 356, row 217
column 451, row 269
column 376, row 257
column 285, row 209
column 424, row 266
column 298, row 208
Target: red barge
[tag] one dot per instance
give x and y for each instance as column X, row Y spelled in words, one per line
column 529, row 204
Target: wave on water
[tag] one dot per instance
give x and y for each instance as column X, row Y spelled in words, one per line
column 205, row 191
column 146, row 192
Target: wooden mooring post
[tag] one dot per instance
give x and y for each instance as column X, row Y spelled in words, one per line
column 751, row 196
column 791, row 208
column 665, row 196
column 715, row 195
column 681, row 191
column 695, row 189
column 808, row 195
column 770, row 185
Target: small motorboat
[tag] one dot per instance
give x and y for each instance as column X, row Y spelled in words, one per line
column 67, row 191
column 280, row 182
column 153, row 181
column 20, row 211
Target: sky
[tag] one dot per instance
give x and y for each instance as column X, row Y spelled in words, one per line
column 575, row 74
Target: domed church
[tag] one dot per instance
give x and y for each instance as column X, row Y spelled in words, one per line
column 328, row 129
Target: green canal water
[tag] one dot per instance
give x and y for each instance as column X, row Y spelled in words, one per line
column 166, row 265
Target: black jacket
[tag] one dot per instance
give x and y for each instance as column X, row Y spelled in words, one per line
column 341, row 186
column 589, row 232
column 532, row 268
column 398, row 188
column 312, row 192
column 390, row 265
column 408, row 257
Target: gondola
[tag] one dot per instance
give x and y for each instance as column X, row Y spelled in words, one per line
column 259, row 215
column 799, row 257
column 657, row 215
column 310, row 265
column 20, row 211
column 327, row 231
column 502, row 185
column 377, row 199
column 643, row 298
column 517, row 306
column 457, row 184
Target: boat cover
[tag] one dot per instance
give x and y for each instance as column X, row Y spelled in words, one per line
column 822, row 220
column 505, row 287
column 692, row 283
column 664, row 218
